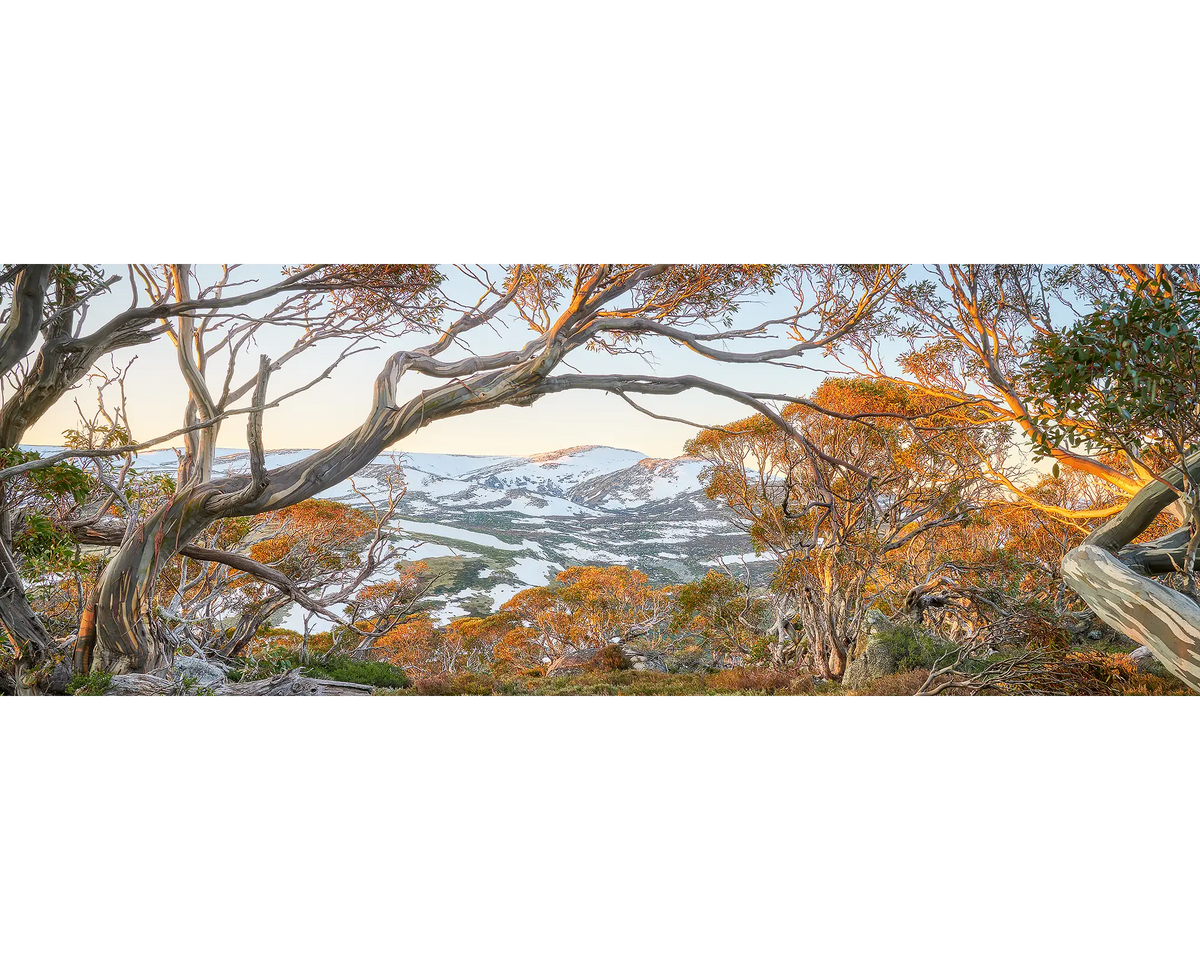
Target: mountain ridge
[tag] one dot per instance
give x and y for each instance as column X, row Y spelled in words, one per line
column 491, row 526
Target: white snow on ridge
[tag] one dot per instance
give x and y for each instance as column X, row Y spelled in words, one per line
column 536, row 573
column 557, row 472
column 647, row 481
column 738, row 558
column 592, row 556
column 536, row 505
column 457, row 533
column 672, row 477
column 453, row 465
column 542, row 485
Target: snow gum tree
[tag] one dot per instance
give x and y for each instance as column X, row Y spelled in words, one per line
column 1126, row 378
column 898, row 465
column 543, row 313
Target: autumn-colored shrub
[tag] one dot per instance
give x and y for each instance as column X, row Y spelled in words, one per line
column 611, row 657
column 895, row 685
column 582, row 607
column 759, row 680
column 454, row 685
column 314, row 533
column 621, row 683
column 721, row 613
column 1090, row 673
column 1021, row 671
column 1033, row 627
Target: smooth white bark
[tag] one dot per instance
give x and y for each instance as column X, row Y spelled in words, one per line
column 1166, row 621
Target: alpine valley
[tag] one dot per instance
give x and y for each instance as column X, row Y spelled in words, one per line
column 491, row 526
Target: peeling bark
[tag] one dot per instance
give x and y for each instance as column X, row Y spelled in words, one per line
column 126, row 638
column 1165, row 620
column 1101, row 570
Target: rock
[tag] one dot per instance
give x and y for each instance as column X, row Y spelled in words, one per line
column 1144, row 660
column 606, row 658
column 877, row 621
column 204, row 672
column 877, row 661
column 1096, row 635
column 646, row 660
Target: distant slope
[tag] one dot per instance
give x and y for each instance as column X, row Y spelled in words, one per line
column 492, row 526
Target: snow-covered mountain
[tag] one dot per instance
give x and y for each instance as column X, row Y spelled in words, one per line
column 492, row 526
column 646, row 481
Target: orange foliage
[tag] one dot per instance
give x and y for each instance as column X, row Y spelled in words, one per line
column 720, row 613
column 583, row 607
column 412, row 646
column 312, row 536
column 847, row 536
column 424, row 650
column 383, row 600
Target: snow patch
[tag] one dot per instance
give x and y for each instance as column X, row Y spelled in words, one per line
column 535, row 573
column 738, row 558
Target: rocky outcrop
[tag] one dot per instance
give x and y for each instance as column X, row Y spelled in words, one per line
column 876, row 661
column 640, row 659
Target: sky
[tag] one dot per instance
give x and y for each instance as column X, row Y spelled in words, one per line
column 156, row 394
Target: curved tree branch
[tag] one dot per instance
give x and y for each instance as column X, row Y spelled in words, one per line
column 1165, row 620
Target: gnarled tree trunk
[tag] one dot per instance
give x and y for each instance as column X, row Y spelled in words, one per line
column 125, row 637
column 1108, row 573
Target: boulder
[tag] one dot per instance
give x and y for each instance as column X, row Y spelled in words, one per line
column 593, row 659
column 1144, row 660
column 876, row 661
column 645, row 660
column 204, row 672
column 878, row 621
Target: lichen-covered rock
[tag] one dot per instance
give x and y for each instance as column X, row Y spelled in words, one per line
column 205, row 673
column 877, row 621
column 1146, row 662
column 876, row 661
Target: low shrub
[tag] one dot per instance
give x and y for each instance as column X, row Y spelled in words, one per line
column 760, row 680
column 609, row 658
column 373, row 673
column 93, row 684
column 1091, row 673
column 912, row 648
column 454, row 685
column 896, row 685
